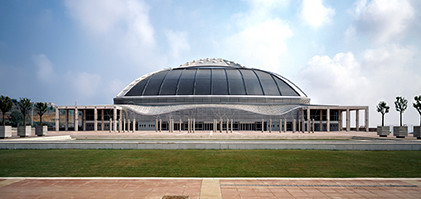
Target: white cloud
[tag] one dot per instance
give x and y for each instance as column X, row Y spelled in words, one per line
column 45, row 67
column 85, row 85
column 178, row 43
column 315, row 14
column 380, row 74
column 383, row 20
column 260, row 39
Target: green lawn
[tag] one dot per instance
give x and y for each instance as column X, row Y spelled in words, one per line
column 210, row 163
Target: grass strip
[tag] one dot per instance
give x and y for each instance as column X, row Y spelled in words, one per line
column 209, row 163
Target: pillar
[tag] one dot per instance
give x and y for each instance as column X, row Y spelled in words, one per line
column 232, row 125
column 114, row 119
column 280, row 125
column 308, row 120
column 96, row 119
column 263, row 127
column 215, row 128
column 128, row 125
column 367, row 128
column 303, row 121
column 160, row 125
column 347, row 120
column 84, row 120
column 102, row 120
column 328, row 120
column 357, row 119
column 299, row 126
column 285, row 125
column 124, row 125
column 57, row 119
column 180, row 126
column 76, row 119
column 120, row 121
column 270, row 125
column 220, row 125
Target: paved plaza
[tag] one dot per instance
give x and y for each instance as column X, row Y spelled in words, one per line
column 209, row 188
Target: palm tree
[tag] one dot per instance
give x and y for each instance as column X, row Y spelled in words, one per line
column 5, row 106
column 417, row 105
column 41, row 109
column 401, row 104
column 383, row 109
column 24, row 106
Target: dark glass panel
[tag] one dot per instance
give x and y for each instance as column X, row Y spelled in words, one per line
column 202, row 85
column 169, row 86
column 268, row 83
column 137, row 89
column 285, row 89
column 154, row 84
column 235, row 82
column 252, row 83
column 185, row 85
column 219, row 82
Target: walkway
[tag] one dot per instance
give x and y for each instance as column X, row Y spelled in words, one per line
column 203, row 188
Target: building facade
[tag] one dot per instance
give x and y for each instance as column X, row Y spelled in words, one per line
column 210, row 95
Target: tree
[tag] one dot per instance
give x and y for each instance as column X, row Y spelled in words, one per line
column 24, row 106
column 383, row 109
column 417, row 105
column 5, row 106
column 16, row 118
column 41, row 109
column 401, row 104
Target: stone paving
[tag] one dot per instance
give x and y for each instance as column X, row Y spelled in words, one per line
column 203, row 188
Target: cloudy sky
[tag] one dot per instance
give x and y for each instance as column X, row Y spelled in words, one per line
column 339, row 52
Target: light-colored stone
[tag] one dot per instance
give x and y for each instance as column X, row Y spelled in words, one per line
column 400, row 131
column 5, row 132
column 24, row 131
column 383, row 131
column 41, row 130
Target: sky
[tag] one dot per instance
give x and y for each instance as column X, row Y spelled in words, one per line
column 85, row 52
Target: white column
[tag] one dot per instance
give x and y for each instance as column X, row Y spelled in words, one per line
column 321, row 120
column 280, row 125
column 115, row 119
column 220, row 125
column 120, row 121
column 285, row 125
column 303, row 121
column 367, row 128
column 299, row 126
column 328, row 120
column 270, row 125
column 180, row 126
column 194, row 125
column 124, row 125
column 156, row 125
column 228, row 125
column 339, row 120
column 76, row 119
column 215, row 128
column 308, row 119
column 263, row 125
column 348, row 120
column 160, row 125
column 128, row 125
column 357, row 119
column 232, row 125
column 312, row 126
column 57, row 119
column 95, row 119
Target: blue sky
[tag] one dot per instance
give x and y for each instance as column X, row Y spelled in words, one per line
column 338, row 52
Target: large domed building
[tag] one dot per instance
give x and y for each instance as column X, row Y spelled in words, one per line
column 213, row 95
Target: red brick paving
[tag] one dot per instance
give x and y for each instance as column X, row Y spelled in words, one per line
column 230, row 188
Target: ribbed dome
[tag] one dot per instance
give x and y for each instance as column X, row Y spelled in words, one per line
column 212, row 77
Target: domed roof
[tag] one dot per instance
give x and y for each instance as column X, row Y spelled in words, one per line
column 212, row 77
